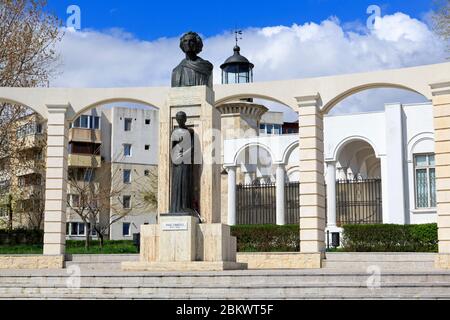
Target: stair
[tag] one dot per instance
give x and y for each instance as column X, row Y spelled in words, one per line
column 384, row 261
column 99, row 261
column 344, row 276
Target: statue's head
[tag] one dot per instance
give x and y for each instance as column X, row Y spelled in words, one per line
column 191, row 42
column 181, row 118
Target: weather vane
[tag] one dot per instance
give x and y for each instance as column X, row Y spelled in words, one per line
column 238, row 34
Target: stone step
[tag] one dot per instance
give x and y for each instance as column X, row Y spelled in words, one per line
column 101, row 258
column 380, row 257
column 289, row 292
column 108, row 280
column 383, row 265
column 95, row 265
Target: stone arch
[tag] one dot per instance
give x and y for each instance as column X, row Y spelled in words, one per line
column 295, row 170
column 328, row 106
column 349, row 140
column 250, row 145
column 287, row 153
column 41, row 111
column 417, row 140
column 112, row 100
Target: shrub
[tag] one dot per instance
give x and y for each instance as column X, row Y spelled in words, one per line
column 390, row 238
column 267, row 238
column 21, row 236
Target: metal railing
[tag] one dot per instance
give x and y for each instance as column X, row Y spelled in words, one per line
column 256, row 204
column 292, row 201
column 359, row 202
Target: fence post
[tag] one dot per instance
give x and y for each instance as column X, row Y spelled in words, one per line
column 231, row 196
column 280, row 195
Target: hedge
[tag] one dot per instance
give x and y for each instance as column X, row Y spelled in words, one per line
column 390, row 238
column 21, row 236
column 267, row 238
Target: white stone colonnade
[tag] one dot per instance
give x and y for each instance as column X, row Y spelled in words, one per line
column 313, row 98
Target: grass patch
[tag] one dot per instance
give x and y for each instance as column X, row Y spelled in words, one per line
column 22, row 249
column 76, row 247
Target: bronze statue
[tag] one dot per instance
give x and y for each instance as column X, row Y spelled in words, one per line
column 182, row 141
column 192, row 71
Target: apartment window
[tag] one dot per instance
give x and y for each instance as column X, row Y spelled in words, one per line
column 127, row 202
column 147, row 173
column 127, row 150
column 147, row 147
column 127, row 176
column 3, row 211
column 96, row 123
column 78, row 174
column 39, row 156
column 147, row 121
column 74, row 200
column 29, row 129
column 277, row 129
column 86, row 122
column 126, row 229
column 128, row 123
column 4, row 186
column 425, row 176
column 76, row 229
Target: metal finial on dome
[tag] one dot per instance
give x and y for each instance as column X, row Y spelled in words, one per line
column 237, row 68
column 238, row 34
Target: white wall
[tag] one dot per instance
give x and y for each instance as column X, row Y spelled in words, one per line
column 395, row 135
column 139, row 136
column 419, row 138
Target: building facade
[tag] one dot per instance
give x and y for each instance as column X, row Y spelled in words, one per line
column 22, row 174
column 112, row 153
column 379, row 166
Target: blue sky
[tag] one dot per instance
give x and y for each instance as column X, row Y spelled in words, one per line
column 284, row 39
column 149, row 20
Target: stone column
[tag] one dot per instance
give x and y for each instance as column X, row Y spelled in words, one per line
column 441, row 104
column 312, row 190
column 331, row 194
column 231, row 196
column 385, row 189
column 56, row 181
column 280, row 186
column 395, row 164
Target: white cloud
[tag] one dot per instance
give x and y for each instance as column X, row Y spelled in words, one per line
column 114, row 58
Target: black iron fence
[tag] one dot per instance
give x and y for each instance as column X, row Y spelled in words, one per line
column 256, row 203
column 359, row 202
column 292, row 202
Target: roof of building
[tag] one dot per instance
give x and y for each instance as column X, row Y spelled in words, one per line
column 237, row 58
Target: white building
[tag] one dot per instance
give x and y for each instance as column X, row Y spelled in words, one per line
column 125, row 140
column 395, row 146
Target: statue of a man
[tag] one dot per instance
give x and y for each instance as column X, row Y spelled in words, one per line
column 182, row 141
column 192, row 71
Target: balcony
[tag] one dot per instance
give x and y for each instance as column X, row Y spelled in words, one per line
column 32, row 141
column 30, row 191
column 85, row 135
column 85, row 161
column 28, row 167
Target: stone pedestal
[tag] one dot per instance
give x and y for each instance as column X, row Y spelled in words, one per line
column 184, row 243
